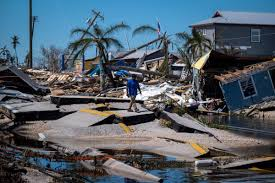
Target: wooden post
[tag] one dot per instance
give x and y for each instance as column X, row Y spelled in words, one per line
column 30, row 34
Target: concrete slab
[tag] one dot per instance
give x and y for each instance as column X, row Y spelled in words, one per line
column 72, row 133
column 124, row 106
column 80, row 120
column 133, row 118
column 32, row 111
column 114, row 167
column 74, row 99
column 183, row 124
column 266, row 162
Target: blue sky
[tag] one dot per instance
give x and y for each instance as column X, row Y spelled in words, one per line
column 56, row 18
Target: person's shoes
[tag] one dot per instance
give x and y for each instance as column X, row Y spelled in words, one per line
column 137, row 110
column 130, row 110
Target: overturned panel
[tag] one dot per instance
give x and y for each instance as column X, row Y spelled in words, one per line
column 183, row 124
column 12, row 76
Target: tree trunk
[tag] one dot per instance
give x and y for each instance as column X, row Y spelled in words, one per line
column 102, row 78
column 16, row 57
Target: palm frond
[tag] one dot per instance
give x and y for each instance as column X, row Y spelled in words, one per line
column 115, row 28
column 81, row 31
column 98, row 31
column 79, row 43
column 144, row 29
column 112, row 42
column 183, row 36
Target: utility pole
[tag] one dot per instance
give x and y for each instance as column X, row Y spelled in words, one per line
column 30, row 34
column 97, row 14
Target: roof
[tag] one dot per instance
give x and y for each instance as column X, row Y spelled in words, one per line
column 24, row 77
column 214, row 61
column 231, row 17
column 202, row 61
column 246, row 71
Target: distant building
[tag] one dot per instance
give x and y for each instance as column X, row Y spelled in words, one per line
column 240, row 33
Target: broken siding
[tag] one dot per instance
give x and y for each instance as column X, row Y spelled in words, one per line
column 234, row 96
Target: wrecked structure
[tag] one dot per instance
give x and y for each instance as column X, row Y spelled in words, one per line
column 248, row 86
column 12, row 77
column 214, row 63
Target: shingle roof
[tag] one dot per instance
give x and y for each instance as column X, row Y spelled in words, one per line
column 247, row 71
column 230, row 17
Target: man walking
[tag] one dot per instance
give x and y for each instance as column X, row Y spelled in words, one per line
column 132, row 87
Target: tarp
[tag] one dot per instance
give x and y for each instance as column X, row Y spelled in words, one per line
column 202, row 61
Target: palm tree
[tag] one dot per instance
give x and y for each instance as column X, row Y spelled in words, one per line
column 186, row 58
column 101, row 39
column 15, row 42
column 5, row 54
column 165, row 41
column 195, row 44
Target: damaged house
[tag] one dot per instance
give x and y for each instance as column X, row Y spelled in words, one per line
column 251, row 85
column 205, row 85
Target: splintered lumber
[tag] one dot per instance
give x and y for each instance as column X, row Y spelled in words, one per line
column 114, row 167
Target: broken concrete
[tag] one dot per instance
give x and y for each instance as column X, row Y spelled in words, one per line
column 133, row 118
column 11, row 76
column 81, row 120
column 66, row 100
column 266, row 162
column 183, row 124
column 32, row 111
column 114, row 167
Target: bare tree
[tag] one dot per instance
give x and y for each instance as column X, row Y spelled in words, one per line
column 51, row 57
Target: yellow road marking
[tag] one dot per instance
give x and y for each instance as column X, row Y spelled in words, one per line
column 106, row 114
column 124, row 127
column 111, row 112
column 198, row 148
column 261, row 170
column 95, row 112
column 102, row 105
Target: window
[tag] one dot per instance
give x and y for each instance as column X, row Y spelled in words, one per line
column 247, row 87
column 204, row 32
column 255, row 35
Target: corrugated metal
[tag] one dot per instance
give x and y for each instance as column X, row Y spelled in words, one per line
column 230, row 17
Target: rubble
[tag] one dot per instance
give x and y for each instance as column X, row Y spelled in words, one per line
column 78, row 116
